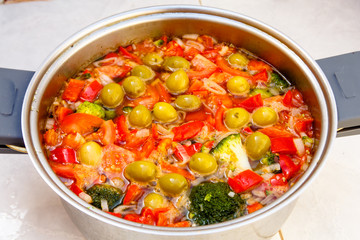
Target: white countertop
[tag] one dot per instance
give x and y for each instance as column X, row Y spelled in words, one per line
column 29, row 31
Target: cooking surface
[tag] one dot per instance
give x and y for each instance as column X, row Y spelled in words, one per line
column 29, row 31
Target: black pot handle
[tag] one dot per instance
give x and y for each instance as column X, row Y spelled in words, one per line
column 13, row 84
column 343, row 74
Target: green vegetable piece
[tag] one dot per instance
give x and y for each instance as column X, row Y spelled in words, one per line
column 268, row 159
column 173, row 184
column 110, row 114
column 231, row 152
column 265, row 93
column 203, row 163
column 140, row 116
column 177, row 82
column 154, row 200
column 264, row 116
column 214, row 203
column 134, row 86
column 238, row 59
column 188, row 103
column 238, row 85
column 140, row 171
column 257, row 144
column 153, row 60
column 111, row 194
column 280, row 83
column 175, row 63
column 164, row 112
column 92, row 109
column 143, row 72
column 112, row 95
column 159, row 42
column 236, row 118
column 126, row 110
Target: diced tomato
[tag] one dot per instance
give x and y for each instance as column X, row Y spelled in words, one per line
column 220, row 77
column 288, row 167
column 164, row 145
column 200, row 115
column 90, row 91
column 149, row 99
column 284, row 145
column 73, row 140
column 287, row 99
column 256, row 65
column 116, row 158
column 154, row 131
column 133, row 193
column 190, row 53
column 147, row 147
column 297, row 98
column 114, row 71
column 165, row 166
column 80, row 122
column 106, row 133
column 146, row 217
column 211, row 54
column 63, row 155
column 51, row 137
column 203, row 68
column 278, row 180
column 73, row 89
column 196, row 85
column 219, row 116
column 111, row 55
column 224, row 66
column 62, row 112
column 261, row 76
column 304, row 125
column 207, row 41
column 129, row 55
column 251, row 103
column 65, row 171
column 254, row 207
column 274, row 132
column 115, row 214
column 173, row 49
column 187, row 130
column 164, row 95
column 244, row 181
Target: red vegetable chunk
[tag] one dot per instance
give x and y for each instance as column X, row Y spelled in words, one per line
column 244, row 181
column 283, row 145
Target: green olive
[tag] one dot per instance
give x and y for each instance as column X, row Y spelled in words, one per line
column 238, row 85
column 188, row 103
column 154, row 200
column 140, row 116
column 265, row 93
column 153, row 60
column 143, row 71
column 235, row 118
column 238, row 59
column 177, row 82
column 134, row 86
column 90, row 153
column 264, row 116
column 175, row 63
column 203, row 163
column 112, row 95
column 257, row 144
column 140, row 171
column 173, row 183
column 164, row 112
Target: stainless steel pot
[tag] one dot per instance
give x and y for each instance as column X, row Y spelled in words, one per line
column 125, row 28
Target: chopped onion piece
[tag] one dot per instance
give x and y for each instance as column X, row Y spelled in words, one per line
column 231, row 194
column 192, row 36
column 214, row 87
column 108, row 61
column 104, row 205
column 86, row 197
column 50, row 123
column 104, row 79
column 299, row 146
column 179, row 41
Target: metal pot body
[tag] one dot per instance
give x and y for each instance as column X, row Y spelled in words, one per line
column 126, row 28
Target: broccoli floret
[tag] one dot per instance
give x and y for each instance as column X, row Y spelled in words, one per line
column 278, row 82
column 111, row 194
column 214, row 202
column 91, row 108
column 230, row 151
column 269, row 158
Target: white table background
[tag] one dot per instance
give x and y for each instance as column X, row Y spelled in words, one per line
column 29, row 31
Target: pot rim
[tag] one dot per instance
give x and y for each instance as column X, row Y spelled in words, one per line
column 33, row 145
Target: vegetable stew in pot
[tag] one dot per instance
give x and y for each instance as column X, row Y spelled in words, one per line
column 179, row 132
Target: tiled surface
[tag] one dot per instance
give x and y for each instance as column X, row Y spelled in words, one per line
column 328, row 209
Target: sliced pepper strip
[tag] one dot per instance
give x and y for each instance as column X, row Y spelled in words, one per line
column 251, row 103
column 284, row 145
column 244, row 181
column 187, row 130
column 171, row 168
column 73, row 90
column 288, row 167
column 133, row 193
column 63, row 155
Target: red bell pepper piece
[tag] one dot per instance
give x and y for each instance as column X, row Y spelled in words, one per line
column 244, row 181
column 219, row 116
column 107, row 132
column 203, row 67
column 154, row 131
column 287, row 99
column 223, row 65
column 247, row 131
column 146, row 217
column 164, row 95
column 80, row 122
column 278, row 180
column 288, row 167
column 65, row 171
column 147, row 147
column 284, row 145
column 126, row 54
column 51, row 137
column 115, row 214
column 183, row 153
column 254, row 207
column 207, row 41
column 251, row 103
column 90, row 92
column 63, row 155
column 173, row 49
column 165, row 166
column 261, row 76
column 187, row 130
column 73, row 90
column 273, row 132
column 303, row 125
column 133, row 193
column 111, row 55
column 199, row 115
column 75, row 189
column 62, row 112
